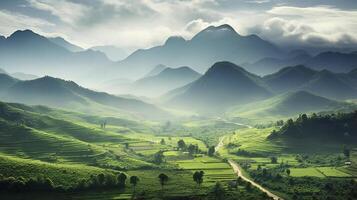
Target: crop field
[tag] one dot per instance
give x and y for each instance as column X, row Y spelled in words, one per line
column 332, row 172
column 214, row 169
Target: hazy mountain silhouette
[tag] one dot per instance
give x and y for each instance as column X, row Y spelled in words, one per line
column 271, row 65
column 286, row 105
column 223, row 85
column 323, row 83
column 289, row 78
column 221, row 43
column 332, row 61
column 28, row 52
column 112, row 52
column 156, row 70
column 6, row 81
column 64, row 43
column 167, row 79
column 67, row 94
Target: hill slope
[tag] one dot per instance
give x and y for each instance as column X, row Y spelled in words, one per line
column 286, row 105
column 167, row 79
column 223, row 85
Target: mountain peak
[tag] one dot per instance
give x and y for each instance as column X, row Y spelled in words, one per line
column 221, row 31
column 223, row 27
column 24, row 34
column 175, row 40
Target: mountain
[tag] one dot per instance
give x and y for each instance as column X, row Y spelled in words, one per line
column 167, row 79
column 286, row 105
column 65, row 44
column 67, row 94
column 28, row 52
column 323, row 83
column 113, row 53
column 6, row 81
column 289, row 78
column 215, row 43
column 331, row 85
column 224, row 84
column 270, row 65
column 156, row 70
column 23, row 76
column 332, row 61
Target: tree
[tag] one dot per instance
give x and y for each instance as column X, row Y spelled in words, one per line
column 218, row 191
column 162, row 142
column 346, row 151
column 198, row 177
column 126, row 145
column 181, row 145
column 274, row 160
column 159, row 157
column 121, row 180
column 211, row 151
column 192, row 149
column 288, row 172
column 163, row 179
column 134, row 181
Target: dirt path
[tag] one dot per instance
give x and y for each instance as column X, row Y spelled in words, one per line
column 239, row 173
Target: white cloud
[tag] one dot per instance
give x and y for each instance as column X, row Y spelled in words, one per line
column 11, row 21
column 66, row 11
column 314, row 26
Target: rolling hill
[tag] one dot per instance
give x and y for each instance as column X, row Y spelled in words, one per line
column 67, row 94
column 167, row 79
column 223, row 85
column 214, row 43
column 286, row 105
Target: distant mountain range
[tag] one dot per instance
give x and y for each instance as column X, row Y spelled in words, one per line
column 67, row 94
column 20, row 75
column 215, row 43
column 65, row 44
column 324, row 83
column 113, row 53
column 32, row 53
column 332, row 61
column 168, row 79
column 226, row 85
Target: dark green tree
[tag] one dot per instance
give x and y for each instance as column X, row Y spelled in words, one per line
column 198, row 177
column 134, row 181
column 218, row 191
column 163, row 178
column 121, row 180
column 211, row 151
column 159, row 157
column 181, row 145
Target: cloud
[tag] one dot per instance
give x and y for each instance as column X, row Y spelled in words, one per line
column 12, row 21
column 66, row 11
column 312, row 26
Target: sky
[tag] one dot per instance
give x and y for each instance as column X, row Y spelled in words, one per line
column 132, row 24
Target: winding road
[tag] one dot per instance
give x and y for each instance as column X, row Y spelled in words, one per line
column 239, row 173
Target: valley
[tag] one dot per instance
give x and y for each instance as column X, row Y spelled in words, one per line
column 178, row 100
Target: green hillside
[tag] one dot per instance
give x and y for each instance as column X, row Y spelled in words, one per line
column 286, row 105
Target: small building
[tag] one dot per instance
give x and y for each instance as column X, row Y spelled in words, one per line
column 348, row 163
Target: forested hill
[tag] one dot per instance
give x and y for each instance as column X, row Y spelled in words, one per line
column 340, row 127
